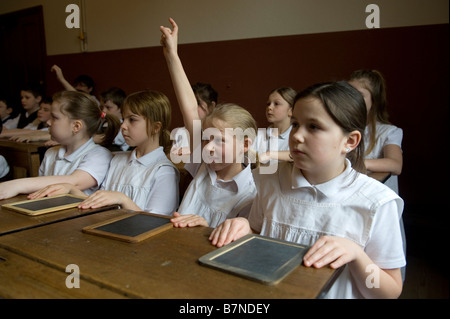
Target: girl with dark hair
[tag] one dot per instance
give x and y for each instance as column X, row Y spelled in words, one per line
column 322, row 200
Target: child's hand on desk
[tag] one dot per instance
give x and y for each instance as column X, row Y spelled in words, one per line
column 188, row 220
column 103, row 198
column 52, row 190
column 333, row 251
column 230, row 230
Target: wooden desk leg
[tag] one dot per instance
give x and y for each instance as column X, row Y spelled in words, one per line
column 35, row 162
column 19, row 172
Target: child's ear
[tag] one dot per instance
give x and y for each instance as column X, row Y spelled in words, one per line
column 352, row 141
column 156, row 128
column 247, row 144
column 77, row 125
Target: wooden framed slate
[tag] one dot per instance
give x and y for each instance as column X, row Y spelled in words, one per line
column 34, row 207
column 132, row 228
column 257, row 257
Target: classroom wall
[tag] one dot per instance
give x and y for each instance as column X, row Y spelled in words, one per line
column 120, row 24
column 414, row 61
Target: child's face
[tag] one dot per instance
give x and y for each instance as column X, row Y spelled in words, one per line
column 4, row 109
column 82, row 87
column 365, row 93
column 44, row 112
column 277, row 109
column 111, row 108
column 60, row 125
column 134, row 128
column 317, row 143
column 29, row 101
column 223, row 147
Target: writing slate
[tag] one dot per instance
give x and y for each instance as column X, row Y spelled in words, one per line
column 133, row 227
column 257, row 257
column 45, row 205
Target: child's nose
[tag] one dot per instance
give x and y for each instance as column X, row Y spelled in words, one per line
column 299, row 136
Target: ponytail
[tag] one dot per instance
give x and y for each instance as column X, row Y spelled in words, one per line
column 109, row 128
column 165, row 141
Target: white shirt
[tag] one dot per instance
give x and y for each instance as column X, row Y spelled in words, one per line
column 269, row 142
column 363, row 210
column 386, row 134
column 4, row 167
column 216, row 200
column 11, row 123
column 119, row 140
column 90, row 157
column 151, row 181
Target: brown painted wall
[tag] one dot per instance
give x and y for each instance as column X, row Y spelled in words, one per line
column 414, row 61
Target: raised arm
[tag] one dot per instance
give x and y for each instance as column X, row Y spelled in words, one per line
column 183, row 90
column 60, row 77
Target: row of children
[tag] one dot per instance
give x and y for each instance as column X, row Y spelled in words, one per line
column 319, row 196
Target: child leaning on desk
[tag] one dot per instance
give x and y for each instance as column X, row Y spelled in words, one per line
column 143, row 179
column 222, row 187
column 322, row 200
column 75, row 118
column 383, row 141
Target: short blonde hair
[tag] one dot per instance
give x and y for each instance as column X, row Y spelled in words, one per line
column 235, row 116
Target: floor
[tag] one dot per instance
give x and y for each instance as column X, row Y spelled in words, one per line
column 424, row 280
column 427, row 268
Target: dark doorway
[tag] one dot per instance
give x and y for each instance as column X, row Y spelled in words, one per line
column 22, row 51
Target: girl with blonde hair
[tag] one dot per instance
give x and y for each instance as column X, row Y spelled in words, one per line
column 223, row 185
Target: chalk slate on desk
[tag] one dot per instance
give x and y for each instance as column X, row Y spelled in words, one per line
column 256, row 257
column 45, row 205
column 133, row 227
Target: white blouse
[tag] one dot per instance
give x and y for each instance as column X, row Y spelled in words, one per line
column 151, row 181
column 352, row 206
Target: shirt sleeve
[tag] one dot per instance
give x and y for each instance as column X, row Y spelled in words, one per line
column 164, row 198
column 395, row 137
column 256, row 215
column 385, row 245
column 96, row 163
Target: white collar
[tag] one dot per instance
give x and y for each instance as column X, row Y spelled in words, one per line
column 70, row 158
column 147, row 158
column 328, row 188
column 238, row 182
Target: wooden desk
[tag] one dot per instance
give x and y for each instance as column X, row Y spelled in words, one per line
column 11, row 221
column 23, row 158
column 163, row 266
column 19, row 279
